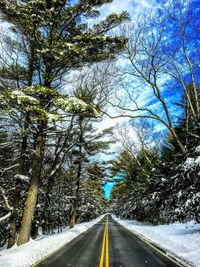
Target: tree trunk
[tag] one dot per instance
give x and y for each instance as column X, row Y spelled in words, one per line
column 72, row 221
column 14, row 216
column 182, row 148
column 29, row 209
column 73, row 214
column 16, row 198
column 25, row 230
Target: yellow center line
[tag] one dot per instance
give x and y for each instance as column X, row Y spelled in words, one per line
column 105, row 246
column 107, row 250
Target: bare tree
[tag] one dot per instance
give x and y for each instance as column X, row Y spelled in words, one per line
column 158, row 55
column 186, row 56
column 136, row 136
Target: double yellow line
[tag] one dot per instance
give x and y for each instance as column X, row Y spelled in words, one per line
column 105, row 247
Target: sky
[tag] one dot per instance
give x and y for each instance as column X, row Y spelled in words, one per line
column 134, row 7
column 108, row 189
column 171, row 90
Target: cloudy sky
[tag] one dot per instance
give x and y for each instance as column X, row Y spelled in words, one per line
column 134, row 7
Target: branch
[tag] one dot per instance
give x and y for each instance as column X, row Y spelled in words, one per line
column 5, row 199
column 8, row 169
column 2, row 219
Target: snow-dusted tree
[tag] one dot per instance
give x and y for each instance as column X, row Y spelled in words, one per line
column 90, row 143
column 91, row 201
column 16, row 72
column 58, row 39
column 172, row 189
column 132, row 168
column 161, row 59
column 173, row 193
column 27, row 100
column 6, row 170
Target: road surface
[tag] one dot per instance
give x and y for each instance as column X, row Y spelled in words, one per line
column 106, row 244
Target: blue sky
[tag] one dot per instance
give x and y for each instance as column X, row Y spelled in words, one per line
column 108, row 189
column 171, row 90
column 134, row 7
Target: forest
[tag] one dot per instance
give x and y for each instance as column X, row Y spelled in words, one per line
column 88, row 99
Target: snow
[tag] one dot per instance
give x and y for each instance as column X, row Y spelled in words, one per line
column 22, row 177
column 5, row 217
column 197, row 161
column 22, row 97
column 179, row 239
column 197, row 150
column 190, row 162
column 34, row 250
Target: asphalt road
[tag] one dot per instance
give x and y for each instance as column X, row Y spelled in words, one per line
column 107, row 244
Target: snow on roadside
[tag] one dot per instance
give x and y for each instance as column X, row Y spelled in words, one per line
column 181, row 239
column 34, row 250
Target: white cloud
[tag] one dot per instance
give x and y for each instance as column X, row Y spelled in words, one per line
column 118, row 6
column 132, row 6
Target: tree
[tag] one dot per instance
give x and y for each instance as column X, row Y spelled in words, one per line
column 171, row 189
column 92, row 203
column 57, row 40
column 160, row 59
column 89, row 140
column 132, row 169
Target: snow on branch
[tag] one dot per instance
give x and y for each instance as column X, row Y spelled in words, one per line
column 2, row 219
column 8, row 169
column 5, row 199
column 22, row 177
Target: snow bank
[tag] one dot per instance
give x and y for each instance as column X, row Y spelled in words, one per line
column 34, row 250
column 180, row 239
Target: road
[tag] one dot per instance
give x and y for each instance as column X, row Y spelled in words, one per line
column 107, row 244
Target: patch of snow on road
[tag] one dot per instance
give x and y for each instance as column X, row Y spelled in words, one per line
column 181, row 239
column 34, row 250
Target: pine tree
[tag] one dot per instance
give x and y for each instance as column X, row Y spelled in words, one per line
column 57, row 39
column 89, row 145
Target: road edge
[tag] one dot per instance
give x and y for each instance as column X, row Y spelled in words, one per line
column 166, row 253
column 51, row 253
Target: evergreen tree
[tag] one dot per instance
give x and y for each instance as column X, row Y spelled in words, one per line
column 172, row 189
column 57, row 39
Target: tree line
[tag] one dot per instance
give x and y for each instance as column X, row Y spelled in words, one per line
column 47, row 133
column 60, row 75
column 161, row 180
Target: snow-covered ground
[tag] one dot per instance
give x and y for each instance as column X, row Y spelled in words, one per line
column 180, row 239
column 34, row 250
